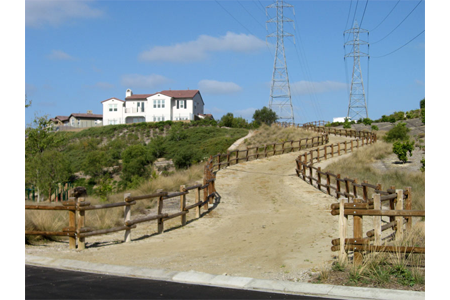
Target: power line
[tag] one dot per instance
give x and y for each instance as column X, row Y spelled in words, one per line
column 386, row 16
column 348, row 15
column 365, row 7
column 399, row 23
column 401, row 46
column 251, row 15
column 234, row 17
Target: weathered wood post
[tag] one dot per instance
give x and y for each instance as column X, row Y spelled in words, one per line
column 274, row 149
column 376, row 219
column 342, row 232
column 347, row 188
column 338, row 185
column 408, row 206
column 319, row 178
column 159, row 212
column 328, row 184
column 197, row 200
column 355, row 188
column 357, row 234
column 183, row 204
column 72, row 223
column 228, row 158
column 127, row 217
column 80, row 225
column 365, row 194
column 392, row 205
column 218, row 159
column 318, row 154
column 246, row 155
column 399, row 219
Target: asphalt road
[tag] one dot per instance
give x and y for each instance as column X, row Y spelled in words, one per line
column 48, row 283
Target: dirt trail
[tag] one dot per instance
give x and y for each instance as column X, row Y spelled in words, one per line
column 268, row 224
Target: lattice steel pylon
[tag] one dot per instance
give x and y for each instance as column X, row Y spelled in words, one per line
column 280, row 92
column 357, row 105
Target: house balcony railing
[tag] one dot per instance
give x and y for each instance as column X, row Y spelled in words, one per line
column 130, row 110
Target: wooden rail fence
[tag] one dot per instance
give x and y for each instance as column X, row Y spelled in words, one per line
column 356, row 194
column 77, row 207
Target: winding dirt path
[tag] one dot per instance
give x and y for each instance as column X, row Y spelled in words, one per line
column 268, row 224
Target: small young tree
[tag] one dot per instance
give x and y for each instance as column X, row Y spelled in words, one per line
column 135, row 161
column 402, row 149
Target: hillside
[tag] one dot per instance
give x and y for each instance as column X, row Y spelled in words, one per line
column 117, row 157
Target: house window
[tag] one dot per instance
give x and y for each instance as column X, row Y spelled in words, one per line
column 159, row 103
column 142, row 107
column 154, row 119
column 154, row 103
column 181, row 104
column 162, row 117
column 113, row 107
column 163, row 103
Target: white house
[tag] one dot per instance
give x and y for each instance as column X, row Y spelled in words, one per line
column 341, row 119
column 173, row 105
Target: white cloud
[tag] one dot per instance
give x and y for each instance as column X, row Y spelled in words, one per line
column 144, row 81
column 311, row 87
column 60, row 55
column 45, row 12
column 218, row 87
column 199, row 49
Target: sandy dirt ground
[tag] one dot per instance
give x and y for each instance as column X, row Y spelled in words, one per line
column 267, row 223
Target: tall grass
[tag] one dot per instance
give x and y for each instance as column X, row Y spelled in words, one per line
column 360, row 166
column 275, row 134
column 108, row 218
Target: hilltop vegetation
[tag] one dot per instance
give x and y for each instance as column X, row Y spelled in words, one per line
column 118, row 157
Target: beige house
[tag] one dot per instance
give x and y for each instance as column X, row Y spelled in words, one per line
column 78, row 120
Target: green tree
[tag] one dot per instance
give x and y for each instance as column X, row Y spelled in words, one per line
column 135, row 161
column 39, row 136
column 45, row 170
column 398, row 133
column 40, row 144
column 422, row 110
column 226, row 120
column 265, row 115
column 94, row 162
column 402, row 149
column 239, row 122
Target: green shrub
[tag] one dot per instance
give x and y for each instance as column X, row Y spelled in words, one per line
column 423, row 165
column 347, row 124
column 135, row 160
column 401, row 149
column 265, row 115
column 374, row 127
column 398, row 133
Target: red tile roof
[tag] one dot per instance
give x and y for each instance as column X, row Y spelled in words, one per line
column 169, row 93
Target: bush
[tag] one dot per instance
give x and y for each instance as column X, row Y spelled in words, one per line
column 374, row 127
column 135, row 160
column 398, row 133
column 265, row 115
column 347, row 124
column 401, row 149
column 183, row 159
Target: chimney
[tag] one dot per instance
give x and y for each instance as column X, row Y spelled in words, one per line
column 129, row 93
column 89, row 112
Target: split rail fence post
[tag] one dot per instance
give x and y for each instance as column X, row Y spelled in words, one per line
column 338, row 185
column 319, row 178
column 343, row 219
column 365, row 197
column 246, row 155
column 72, row 225
column 159, row 212
column 376, row 219
column 357, row 234
column 80, row 224
column 408, row 206
column 399, row 220
column 127, row 217
column 197, row 200
column 183, row 204
column 218, row 160
column 328, row 184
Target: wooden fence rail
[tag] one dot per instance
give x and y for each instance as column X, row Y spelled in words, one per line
column 399, row 202
column 76, row 207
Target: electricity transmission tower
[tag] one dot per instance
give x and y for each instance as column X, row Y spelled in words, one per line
column 357, row 105
column 280, row 91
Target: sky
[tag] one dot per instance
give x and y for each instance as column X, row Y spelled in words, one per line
column 79, row 53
